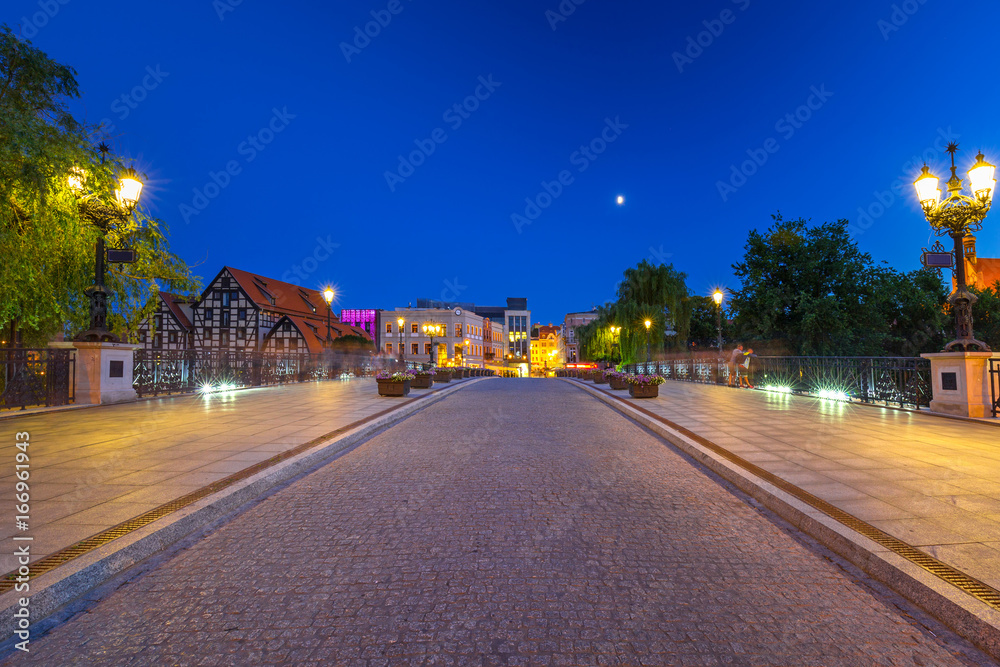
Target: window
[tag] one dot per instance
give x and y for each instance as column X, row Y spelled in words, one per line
column 224, row 318
column 458, row 331
column 225, row 299
column 142, row 336
column 241, row 333
column 241, row 314
column 368, row 326
column 427, row 348
column 293, row 345
column 415, row 348
column 413, row 328
column 224, row 338
column 287, row 326
column 207, row 335
column 173, row 337
column 388, row 327
column 209, row 315
column 388, row 348
column 157, row 341
column 225, row 282
column 279, row 344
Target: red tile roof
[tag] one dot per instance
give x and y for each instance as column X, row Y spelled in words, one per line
column 173, row 301
column 281, row 297
column 314, row 331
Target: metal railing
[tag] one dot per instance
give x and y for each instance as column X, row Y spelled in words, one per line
column 995, row 385
column 902, row 381
column 170, row 372
column 36, row 377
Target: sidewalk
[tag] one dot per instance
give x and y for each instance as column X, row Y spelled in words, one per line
column 92, row 469
column 932, row 482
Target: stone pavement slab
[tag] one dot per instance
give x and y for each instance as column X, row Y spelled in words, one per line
column 517, row 522
column 94, row 468
column 929, row 481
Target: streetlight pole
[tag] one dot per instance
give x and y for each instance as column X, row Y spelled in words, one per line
column 956, row 216
column 718, row 296
column 102, row 215
column 399, row 330
column 432, row 330
column 328, row 295
column 615, row 335
column 648, row 357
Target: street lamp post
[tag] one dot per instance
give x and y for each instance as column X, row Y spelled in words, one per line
column 399, row 330
column 648, row 357
column 432, row 330
column 615, row 337
column 718, row 296
column 102, row 214
column 328, row 295
column 956, row 216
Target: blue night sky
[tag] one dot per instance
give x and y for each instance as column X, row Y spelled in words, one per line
column 266, row 90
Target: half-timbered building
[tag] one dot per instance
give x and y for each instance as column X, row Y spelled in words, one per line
column 168, row 329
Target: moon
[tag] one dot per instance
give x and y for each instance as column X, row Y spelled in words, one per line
column 620, row 200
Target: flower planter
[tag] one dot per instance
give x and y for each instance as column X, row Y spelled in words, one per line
column 442, row 376
column 618, row 383
column 390, row 388
column 600, row 379
column 422, row 382
column 644, row 390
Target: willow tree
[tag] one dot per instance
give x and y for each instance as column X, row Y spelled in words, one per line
column 47, row 249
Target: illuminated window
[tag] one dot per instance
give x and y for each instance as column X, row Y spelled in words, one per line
column 458, row 330
column 427, row 348
column 413, row 328
column 415, row 348
column 388, row 327
column 388, row 348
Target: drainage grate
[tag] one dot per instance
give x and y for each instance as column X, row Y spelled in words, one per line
column 52, row 561
column 977, row 589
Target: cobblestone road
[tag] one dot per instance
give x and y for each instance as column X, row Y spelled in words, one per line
column 517, row 522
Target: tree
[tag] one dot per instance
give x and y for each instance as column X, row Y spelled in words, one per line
column 47, row 249
column 986, row 315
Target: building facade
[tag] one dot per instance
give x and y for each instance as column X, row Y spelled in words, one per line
column 465, row 338
column 168, row 328
column 547, row 351
column 571, row 323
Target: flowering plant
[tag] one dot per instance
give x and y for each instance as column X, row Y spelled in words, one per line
column 612, row 373
column 429, row 371
column 398, row 376
column 644, row 379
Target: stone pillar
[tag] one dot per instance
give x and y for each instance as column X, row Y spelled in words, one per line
column 960, row 383
column 103, row 372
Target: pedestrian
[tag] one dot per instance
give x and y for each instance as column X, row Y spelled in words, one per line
column 745, row 373
column 735, row 363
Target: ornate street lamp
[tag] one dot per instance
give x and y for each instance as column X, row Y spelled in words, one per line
column 432, row 330
column 328, row 295
column 102, row 214
column 648, row 324
column 615, row 337
column 399, row 330
column 956, row 216
column 718, row 296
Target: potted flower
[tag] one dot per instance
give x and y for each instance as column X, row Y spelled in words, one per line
column 442, row 375
column 599, row 377
column 422, row 379
column 644, row 386
column 393, row 384
column 616, row 379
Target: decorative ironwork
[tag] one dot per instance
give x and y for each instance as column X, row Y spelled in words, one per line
column 902, row 381
column 36, row 377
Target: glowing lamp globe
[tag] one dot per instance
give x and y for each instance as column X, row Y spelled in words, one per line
column 981, row 179
column 648, row 324
column 76, row 180
column 129, row 187
column 927, row 188
column 328, row 295
column 718, row 297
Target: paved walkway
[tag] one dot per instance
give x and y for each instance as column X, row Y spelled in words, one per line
column 929, row 481
column 94, row 468
column 516, row 522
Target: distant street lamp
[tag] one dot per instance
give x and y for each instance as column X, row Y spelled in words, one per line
column 399, row 330
column 958, row 215
column 328, row 295
column 718, row 296
column 102, row 214
column 648, row 324
column 432, row 330
column 615, row 337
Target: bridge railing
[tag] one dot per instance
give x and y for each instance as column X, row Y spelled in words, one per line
column 36, row 377
column 995, row 385
column 902, row 381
